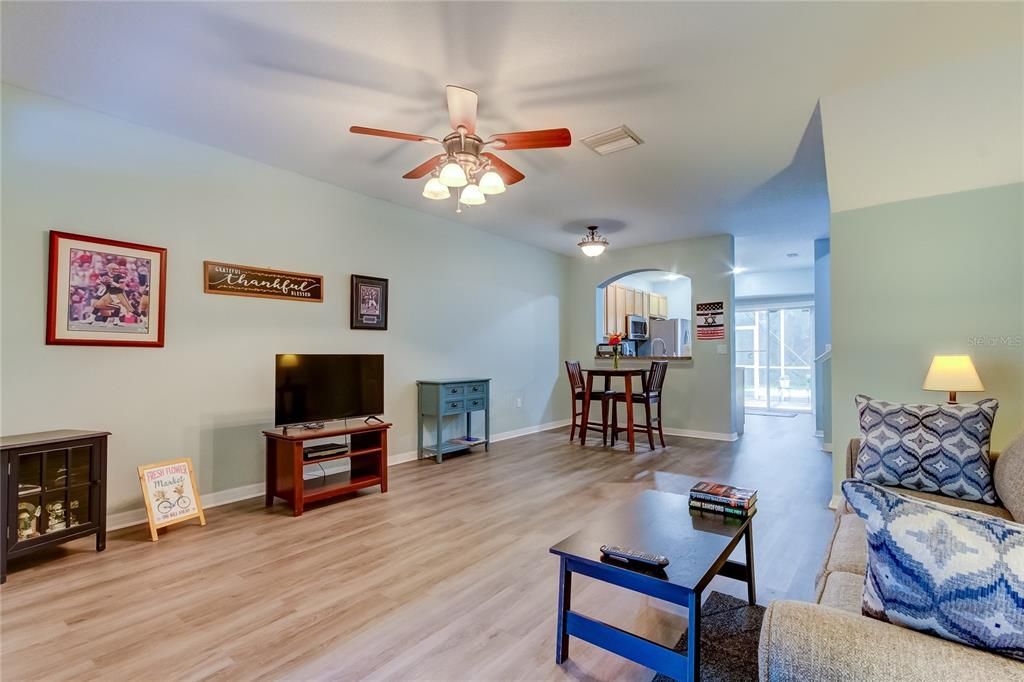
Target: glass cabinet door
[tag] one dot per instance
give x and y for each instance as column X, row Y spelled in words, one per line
column 56, row 491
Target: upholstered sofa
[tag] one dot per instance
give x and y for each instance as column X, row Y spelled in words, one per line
column 831, row 640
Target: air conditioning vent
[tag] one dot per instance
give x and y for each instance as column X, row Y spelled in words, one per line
column 613, row 140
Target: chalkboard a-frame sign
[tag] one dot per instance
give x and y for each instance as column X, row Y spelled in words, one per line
column 171, row 495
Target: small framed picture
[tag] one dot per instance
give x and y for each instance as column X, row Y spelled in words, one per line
column 369, row 302
column 104, row 292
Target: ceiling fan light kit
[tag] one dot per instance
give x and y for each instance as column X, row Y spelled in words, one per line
column 464, row 162
column 593, row 244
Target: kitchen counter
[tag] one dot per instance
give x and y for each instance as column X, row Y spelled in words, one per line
column 647, row 358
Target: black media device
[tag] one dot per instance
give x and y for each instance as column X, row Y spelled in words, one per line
column 311, row 389
column 627, row 555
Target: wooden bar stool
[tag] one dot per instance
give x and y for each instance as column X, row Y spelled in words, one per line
column 578, row 386
column 653, row 382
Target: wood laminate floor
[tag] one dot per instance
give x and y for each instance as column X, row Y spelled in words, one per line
column 446, row 577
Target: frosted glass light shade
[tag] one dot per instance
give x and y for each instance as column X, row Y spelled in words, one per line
column 452, row 175
column 491, row 183
column 436, row 190
column 472, row 196
column 952, row 373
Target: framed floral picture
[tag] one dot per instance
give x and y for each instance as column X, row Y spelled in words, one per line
column 369, row 302
column 104, row 292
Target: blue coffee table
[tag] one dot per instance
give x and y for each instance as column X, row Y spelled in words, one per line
column 698, row 545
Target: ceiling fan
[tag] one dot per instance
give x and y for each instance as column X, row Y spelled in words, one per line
column 464, row 164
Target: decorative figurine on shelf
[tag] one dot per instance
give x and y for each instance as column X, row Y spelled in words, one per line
column 615, row 341
column 73, row 513
column 55, row 515
column 28, row 515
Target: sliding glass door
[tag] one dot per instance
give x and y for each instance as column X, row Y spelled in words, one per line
column 775, row 350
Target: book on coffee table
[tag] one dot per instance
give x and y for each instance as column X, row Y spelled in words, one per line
column 724, row 495
column 737, row 512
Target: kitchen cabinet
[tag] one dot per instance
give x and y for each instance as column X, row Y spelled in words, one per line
column 659, row 306
column 620, row 301
column 619, row 322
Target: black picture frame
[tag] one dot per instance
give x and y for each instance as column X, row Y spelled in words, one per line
column 369, row 303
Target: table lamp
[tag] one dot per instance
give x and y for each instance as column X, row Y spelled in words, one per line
column 952, row 373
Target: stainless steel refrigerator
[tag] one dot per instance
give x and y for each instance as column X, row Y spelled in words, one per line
column 674, row 333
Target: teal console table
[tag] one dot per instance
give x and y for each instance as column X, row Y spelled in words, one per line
column 443, row 397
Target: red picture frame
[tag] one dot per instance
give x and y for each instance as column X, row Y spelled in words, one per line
column 105, row 292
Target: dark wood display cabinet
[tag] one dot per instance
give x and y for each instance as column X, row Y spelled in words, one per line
column 54, row 487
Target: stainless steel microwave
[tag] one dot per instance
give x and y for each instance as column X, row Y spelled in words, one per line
column 636, row 328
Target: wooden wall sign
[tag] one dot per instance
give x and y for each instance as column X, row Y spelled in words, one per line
column 244, row 280
column 169, row 489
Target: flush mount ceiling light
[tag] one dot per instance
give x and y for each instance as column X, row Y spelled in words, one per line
column 614, row 140
column 593, row 244
column 464, row 162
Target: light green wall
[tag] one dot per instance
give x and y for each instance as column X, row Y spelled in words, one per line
column 922, row 277
column 463, row 302
column 699, row 393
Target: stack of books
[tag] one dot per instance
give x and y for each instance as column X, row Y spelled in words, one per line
column 723, row 499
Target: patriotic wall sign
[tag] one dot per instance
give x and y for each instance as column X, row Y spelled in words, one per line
column 711, row 321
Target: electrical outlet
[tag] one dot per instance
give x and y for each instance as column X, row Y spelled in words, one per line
column 519, row 402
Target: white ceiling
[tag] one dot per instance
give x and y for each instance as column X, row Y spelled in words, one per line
column 724, row 94
column 757, row 254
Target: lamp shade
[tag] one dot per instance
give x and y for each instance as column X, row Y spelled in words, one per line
column 491, row 183
column 436, row 190
column 472, row 196
column 453, row 175
column 593, row 249
column 952, row 373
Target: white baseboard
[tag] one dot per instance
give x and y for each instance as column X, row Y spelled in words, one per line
column 707, row 435
column 134, row 517
column 527, row 430
column 827, row 447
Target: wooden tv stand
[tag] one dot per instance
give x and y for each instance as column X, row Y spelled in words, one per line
column 368, row 450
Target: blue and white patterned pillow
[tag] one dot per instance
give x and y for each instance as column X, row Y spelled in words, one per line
column 945, row 571
column 932, row 448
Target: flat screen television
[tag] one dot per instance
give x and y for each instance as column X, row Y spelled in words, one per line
column 319, row 388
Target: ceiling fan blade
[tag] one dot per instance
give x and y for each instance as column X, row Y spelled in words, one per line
column 508, row 174
column 360, row 130
column 462, row 104
column 532, row 139
column 424, row 168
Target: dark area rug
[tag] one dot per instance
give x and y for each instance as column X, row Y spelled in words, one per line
column 729, row 632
